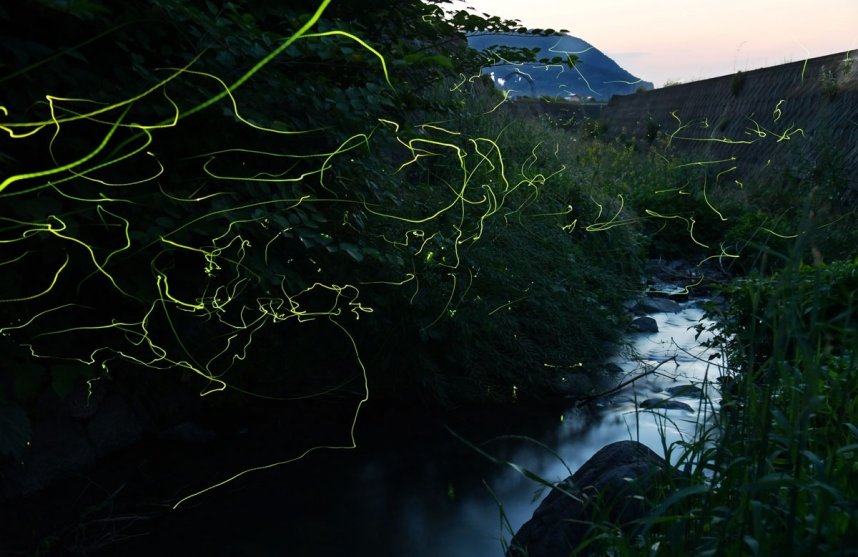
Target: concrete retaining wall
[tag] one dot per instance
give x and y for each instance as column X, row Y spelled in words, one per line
column 800, row 117
column 566, row 115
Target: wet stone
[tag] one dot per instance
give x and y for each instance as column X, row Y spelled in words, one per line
column 665, row 404
column 656, row 305
column 644, row 325
column 685, row 390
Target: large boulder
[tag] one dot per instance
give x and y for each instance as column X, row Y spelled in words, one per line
column 644, row 325
column 616, row 485
column 656, row 305
column 666, row 404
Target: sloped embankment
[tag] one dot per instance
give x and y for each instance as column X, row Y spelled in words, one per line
column 800, row 118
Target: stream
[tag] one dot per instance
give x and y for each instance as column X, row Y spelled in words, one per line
column 411, row 488
column 416, row 485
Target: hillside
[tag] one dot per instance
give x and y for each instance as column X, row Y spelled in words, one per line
column 595, row 75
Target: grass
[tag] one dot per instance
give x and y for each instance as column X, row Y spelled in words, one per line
column 776, row 473
column 539, row 295
column 784, row 479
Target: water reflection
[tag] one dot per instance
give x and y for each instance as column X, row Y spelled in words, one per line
column 411, row 488
column 680, row 359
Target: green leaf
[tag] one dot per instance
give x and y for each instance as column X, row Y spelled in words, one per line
column 74, row 53
column 440, row 60
column 352, row 250
column 752, row 544
column 225, row 58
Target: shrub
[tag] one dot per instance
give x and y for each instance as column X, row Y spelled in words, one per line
column 737, row 83
column 828, row 83
column 781, row 459
column 237, row 225
column 508, row 294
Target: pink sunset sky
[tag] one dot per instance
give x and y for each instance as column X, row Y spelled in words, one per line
column 687, row 40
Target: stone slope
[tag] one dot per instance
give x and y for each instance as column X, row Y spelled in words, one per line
column 796, row 118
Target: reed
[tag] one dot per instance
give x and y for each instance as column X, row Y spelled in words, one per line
column 776, row 472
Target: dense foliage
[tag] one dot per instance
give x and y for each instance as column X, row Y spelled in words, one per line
column 251, row 202
column 779, row 469
column 241, row 199
column 752, row 223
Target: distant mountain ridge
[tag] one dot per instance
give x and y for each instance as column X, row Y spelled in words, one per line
column 596, row 75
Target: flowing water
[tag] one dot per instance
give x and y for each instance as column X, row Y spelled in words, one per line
column 412, row 487
column 674, row 367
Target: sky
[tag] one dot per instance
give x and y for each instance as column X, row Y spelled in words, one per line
column 688, row 40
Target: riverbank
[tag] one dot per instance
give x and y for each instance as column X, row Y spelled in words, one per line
column 771, row 471
column 789, row 118
column 407, row 476
column 129, row 493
